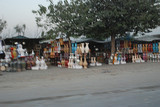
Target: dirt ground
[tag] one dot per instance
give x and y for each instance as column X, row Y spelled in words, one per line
column 53, row 83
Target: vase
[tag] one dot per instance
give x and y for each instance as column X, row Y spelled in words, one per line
column 75, row 47
column 69, row 63
column 78, row 49
column 146, row 47
column 143, row 47
column 92, row 60
column 72, row 47
column 82, row 48
column 81, row 61
column 85, row 64
column 61, row 41
column 87, row 48
column 59, row 47
column 67, row 48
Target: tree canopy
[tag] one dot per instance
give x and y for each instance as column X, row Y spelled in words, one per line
column 99, row 18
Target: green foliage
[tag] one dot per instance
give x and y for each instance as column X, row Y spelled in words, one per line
column 120, row 16
column 3, row 24
column 64, row 17
column 98, row 18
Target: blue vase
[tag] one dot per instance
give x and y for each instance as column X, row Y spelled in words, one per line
column 73, row 48
column 154, row 48
column 157, row 48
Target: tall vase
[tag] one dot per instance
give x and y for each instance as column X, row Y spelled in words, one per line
column 87, row 48
column 146, row 47
column 82, row 48
column 73, row 47
column 81, row 62
column 78, row 49
column 92, row 60
column 85, row 64
column 67, row 48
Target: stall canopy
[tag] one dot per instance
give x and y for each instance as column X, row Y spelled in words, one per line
column 28, row 43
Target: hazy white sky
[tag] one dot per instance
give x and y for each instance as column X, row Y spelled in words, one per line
column 20, row 12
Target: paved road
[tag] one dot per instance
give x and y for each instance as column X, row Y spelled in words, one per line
column 130, row 88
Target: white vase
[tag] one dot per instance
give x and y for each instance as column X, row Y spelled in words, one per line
column 82, row 47
column 87, row 48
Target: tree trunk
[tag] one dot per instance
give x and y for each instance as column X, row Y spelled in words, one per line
column 112, row 44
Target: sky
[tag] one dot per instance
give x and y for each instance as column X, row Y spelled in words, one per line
column 20, row 12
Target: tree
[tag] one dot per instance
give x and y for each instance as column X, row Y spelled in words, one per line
column 64, row 18
column 3, row 24
column 117, row 17
column 99, row 18
column 20, row 30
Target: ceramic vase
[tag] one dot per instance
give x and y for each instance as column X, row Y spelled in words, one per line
column 92, row 60
column 85, row 64
column 75, row 47
column 82, row 48
column 87, row 48
column 81, row 61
